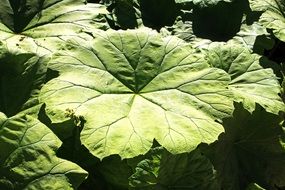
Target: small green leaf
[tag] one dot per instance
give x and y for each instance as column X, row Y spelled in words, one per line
column 28, row 159
column 255, row 37
column 161, row 170
column 250, row 82
column 273, row 16
column 250, row 150
column 22, row 74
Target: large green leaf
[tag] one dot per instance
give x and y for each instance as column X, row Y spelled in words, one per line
column 28, row 159
column 250, row 150
column 42, row 25
column 273, row 16
column 161, row 170
column 134, row 86
column 21, row 76
column 251, row 83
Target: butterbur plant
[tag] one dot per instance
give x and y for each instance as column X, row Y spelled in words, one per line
column 139, row 94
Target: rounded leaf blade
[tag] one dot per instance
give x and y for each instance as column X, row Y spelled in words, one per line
column 134, row 86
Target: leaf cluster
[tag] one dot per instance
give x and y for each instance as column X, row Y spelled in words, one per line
column 142, row 95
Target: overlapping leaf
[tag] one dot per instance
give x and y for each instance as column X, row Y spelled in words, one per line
column 255, row 37
column 250, row 82
column 124, row 14
column 123, row 90
column 161, row 170
column 134, row 86
column 130, row 14
column 42, row 25
column 28, row 160
column 217, row 23
column 273, row 16
column 251, row 151
column 22, row 74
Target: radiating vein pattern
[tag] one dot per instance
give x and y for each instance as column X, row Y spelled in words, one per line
column 273, row 16
column 251, row 83
column 135, row 86
column 28, row 159
column 43, row 25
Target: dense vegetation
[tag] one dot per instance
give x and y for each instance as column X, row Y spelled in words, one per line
column 142, row 94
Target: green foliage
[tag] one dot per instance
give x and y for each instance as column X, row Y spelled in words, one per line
column 151, row 84
column 252, row 150
column 139, row 94
column 28, row 159
column 273, row 16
